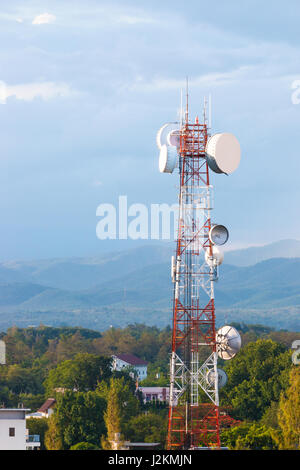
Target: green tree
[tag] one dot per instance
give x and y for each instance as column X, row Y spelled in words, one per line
column 69, row 346
column 256, row 377
column 78, row 417
column 81, row 373
column 289, row 413
column 38, row 426
column 84, row 446
column 156, row 377
column 149, row 427
column 53, row 435
column 6, row 396
column 130, row 405
column 122, row 404
column 16, row 348
column 248, row 436
column 31, row 400
column 270, row 416
column 112, row 418
column 23, row 380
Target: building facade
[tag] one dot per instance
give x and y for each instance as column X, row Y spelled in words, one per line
column 129, row 361
column 13, row 432
column 150, row 394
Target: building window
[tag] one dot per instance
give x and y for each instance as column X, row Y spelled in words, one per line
column 11, row 432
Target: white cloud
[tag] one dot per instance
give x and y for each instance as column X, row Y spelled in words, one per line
column 29, row 91
column 44, row 18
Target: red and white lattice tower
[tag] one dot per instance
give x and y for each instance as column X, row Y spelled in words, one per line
column 194, row 398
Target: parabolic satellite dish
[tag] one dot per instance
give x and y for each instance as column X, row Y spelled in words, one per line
column 222, row 377
column 218, row 234
column 173, row 138
column 168, row 134
column 228, row 342
column 167, row 159
column 223, row 153
column 217, row 257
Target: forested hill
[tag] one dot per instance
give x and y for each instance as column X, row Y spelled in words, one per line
column 268, row 292
column 45, row 345
column 42, row 362
column 135, row 286
column 85, row 273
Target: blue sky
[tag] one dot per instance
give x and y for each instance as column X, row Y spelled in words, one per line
column 85, row 86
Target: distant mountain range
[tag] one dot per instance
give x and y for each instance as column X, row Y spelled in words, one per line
column 135, row 286
column 83, row 273
column 255, row 254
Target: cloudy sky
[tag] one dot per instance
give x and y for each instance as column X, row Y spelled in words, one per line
column 84, row 86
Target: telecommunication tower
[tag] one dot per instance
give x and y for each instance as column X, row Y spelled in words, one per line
column 194, row 418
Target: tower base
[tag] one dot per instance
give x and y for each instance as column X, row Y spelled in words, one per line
column 193, row 427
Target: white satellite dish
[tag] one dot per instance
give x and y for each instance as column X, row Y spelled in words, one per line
column 167, row 159
column 228, row 342
column 223, row 153
column 165, row 134
column 218, row 234
column 222, row 377
column 173, row 138
column 217, row 256
column 173, row 268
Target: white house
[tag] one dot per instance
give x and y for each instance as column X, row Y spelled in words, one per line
column 123, row 361
column 13, row 432
column 47, row 408
column 32, row 441
column 45, row 411
column 155, row 394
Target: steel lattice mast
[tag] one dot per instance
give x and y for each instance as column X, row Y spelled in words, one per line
column 194, row 401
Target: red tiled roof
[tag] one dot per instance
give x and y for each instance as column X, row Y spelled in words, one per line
column 131, row 359
column 48, row 404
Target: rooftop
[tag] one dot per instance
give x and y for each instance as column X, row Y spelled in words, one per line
column 131, row 359
column 14, row 409
column 13, row 413
column 48, row 404
column 154, row 389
